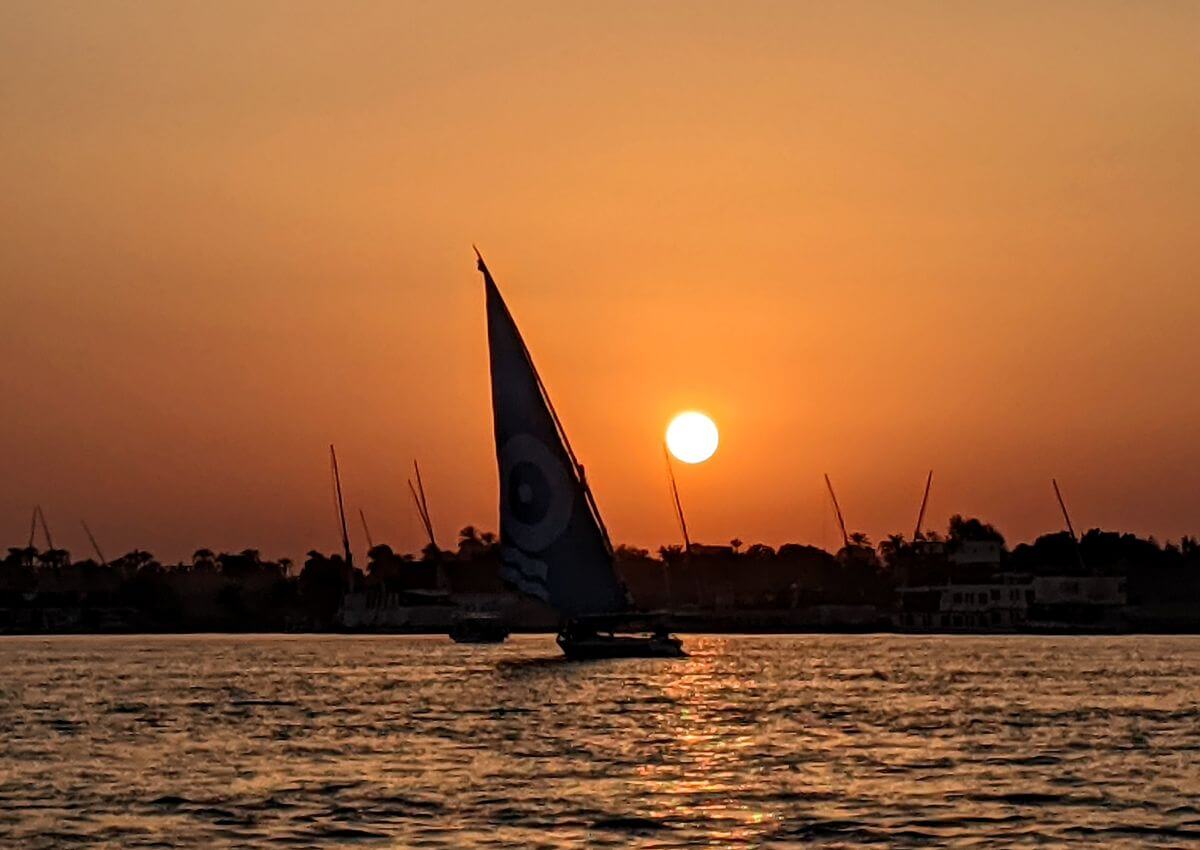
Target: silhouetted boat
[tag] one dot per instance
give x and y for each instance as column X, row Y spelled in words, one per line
column 585, row 640
column 479, row 628
column 553, row 543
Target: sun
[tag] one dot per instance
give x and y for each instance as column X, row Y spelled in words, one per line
column 692, row 437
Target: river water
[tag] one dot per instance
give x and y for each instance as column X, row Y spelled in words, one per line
column 236, row 741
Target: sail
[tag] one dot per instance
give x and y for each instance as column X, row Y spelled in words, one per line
column 552, row 542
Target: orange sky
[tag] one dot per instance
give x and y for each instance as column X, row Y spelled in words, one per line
column 867, row 239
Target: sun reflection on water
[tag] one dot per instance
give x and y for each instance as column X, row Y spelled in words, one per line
column 226, row 742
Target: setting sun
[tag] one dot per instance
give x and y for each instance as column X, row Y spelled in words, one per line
column 692, row 437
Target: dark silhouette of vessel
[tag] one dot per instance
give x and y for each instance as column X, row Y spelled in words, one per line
column 479, row 628
column 584, row 640
column 553, row 543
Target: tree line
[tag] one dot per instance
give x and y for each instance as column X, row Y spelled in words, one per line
column 243, row 591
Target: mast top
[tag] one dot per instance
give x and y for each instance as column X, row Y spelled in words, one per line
column 481, row 265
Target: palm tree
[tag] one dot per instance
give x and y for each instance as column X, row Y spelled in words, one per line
column 891, row 546
column 132, row 562
column 760, row 550
column 469, row 542
column 54, row 559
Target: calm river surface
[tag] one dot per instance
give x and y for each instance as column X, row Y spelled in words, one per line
column 234, row 741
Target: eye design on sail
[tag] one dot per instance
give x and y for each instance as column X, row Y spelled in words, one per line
column 536, row 492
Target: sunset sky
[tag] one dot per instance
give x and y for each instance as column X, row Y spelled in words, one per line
column 867, row 239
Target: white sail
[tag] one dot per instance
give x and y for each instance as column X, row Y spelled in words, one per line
column 552, row 542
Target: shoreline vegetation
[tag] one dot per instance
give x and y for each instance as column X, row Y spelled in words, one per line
column 964, row 580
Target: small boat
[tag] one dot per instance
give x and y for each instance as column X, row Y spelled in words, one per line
column 588, row 645
column 553, row 543
column 479, row 628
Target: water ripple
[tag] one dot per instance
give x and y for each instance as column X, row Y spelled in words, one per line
column 223, row 742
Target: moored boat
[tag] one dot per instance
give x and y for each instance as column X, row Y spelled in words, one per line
column 586, row 645
column 479, row 628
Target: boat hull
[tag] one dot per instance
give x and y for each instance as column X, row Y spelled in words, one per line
column 596, row 647
column 479, row 631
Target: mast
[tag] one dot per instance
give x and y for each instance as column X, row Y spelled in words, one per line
column 1063, row 505
column 95, row 546
column 424, row 503
column 687, row 543
column 45, row 528
column 421, row 514
column 32, row 526
column 924, row 502
column 1070, row 528
column 337, row 485
column 366, row 530
column 838, row 510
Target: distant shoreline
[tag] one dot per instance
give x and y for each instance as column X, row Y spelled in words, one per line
column 799, row 632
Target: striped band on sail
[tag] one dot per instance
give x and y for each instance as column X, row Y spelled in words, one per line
column 526, row 574
column 529, row 567
column 523, row 584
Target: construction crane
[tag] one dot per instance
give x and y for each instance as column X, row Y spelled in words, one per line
column 838, row 510
column 924, row 502
column 337, row 487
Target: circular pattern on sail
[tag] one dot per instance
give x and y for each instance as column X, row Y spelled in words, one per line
column 537, row 493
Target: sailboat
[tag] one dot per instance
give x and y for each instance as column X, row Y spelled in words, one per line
column 553, row 543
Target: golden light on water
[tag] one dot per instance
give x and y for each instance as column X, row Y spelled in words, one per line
column 692, row 437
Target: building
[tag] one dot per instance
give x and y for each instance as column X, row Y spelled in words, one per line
column 1013, row 602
